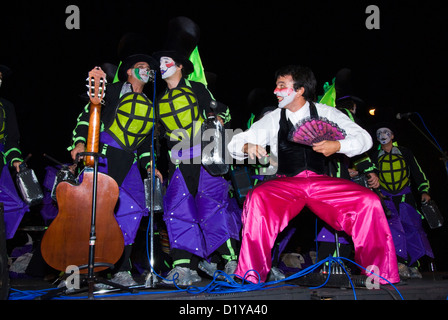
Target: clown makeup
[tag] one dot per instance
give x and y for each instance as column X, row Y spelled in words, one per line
column 167, row 67
column 285, row 96
column 143, row 74
column 284, row 90
column 384, row 135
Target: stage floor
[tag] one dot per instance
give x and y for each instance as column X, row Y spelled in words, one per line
column 433, row 286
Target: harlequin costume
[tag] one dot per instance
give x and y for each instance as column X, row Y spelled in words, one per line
column 125, row 142
column 344, row 205
column 396, row 170
column 198, row 212
column 14, row 207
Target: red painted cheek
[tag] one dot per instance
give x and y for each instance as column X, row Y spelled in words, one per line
column 284, row 92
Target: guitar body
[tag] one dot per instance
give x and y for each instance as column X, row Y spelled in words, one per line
column 70, row 240
column 66, row 241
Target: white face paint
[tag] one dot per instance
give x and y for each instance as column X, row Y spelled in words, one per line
column 285, row 96
column 167, row 67
column 384, row 135
column 142, row 74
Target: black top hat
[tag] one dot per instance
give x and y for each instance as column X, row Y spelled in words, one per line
column 383, row 124
column 177, row 57
column 183, row 35
column 349, row 99
column 130, row 61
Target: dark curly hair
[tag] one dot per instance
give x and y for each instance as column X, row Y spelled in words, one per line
column 302, row 77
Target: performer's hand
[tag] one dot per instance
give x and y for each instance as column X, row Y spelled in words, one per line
column 220, row 120
column 327, row 148
column 373, row 180
column 157, row 173
column 80, row 147
column 254, row 150
column 17, row 164
column 352, row 172
column 425, row 197
column 72, row 168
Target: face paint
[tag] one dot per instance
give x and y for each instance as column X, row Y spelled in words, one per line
column 143, row 74
column 167, row 67
column 384, row 135
column 285, row 96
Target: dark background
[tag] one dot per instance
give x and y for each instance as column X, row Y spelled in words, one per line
column 401, row 67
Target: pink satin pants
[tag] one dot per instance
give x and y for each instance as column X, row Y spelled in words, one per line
column 343, row 204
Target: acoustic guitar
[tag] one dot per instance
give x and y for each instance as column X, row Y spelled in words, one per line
column 67, row 240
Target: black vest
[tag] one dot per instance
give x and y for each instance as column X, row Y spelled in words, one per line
column 294, row 158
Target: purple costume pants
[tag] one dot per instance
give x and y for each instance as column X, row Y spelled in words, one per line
column 410, row 239
column 344, row 205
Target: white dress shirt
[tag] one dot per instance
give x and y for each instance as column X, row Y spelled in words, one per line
column 264, row 132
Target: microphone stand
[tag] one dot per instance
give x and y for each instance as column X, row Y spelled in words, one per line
column 91, row 278
column 151, row 278
column 444, row 157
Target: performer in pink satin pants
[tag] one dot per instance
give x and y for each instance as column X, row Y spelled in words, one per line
column 271, row 206
column 302, row 181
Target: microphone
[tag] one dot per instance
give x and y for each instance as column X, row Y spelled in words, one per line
column 404, row 115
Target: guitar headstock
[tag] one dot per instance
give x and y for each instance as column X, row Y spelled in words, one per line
column 96, row 84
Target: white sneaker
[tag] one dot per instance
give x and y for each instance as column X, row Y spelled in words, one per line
column 414, row 273
column 124, row 278
column 208, row 267
column 181, row 275
column 230, row 268
column 403, row 271
column 275, row 274
column 195, row 277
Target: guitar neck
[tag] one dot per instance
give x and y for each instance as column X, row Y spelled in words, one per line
column 93, row 138
column 97, row 87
